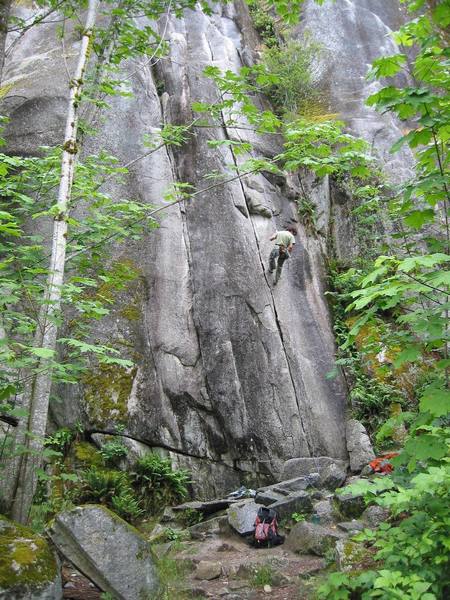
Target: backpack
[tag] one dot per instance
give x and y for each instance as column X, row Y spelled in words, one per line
column 266, row 529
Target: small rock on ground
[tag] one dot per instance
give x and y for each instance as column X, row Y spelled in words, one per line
column 208, row 570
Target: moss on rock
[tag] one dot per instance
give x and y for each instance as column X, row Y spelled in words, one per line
column 106, row 394
column 26, row 560
column 130, row 312
column 87, row 454
column 351, row 556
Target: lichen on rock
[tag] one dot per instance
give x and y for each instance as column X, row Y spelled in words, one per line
column 28, row 566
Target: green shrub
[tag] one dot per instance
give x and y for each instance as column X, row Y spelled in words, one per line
column 307, row 213
column 413, row 547
column 61, row 440
column 113, row 489
column 101, row 485
column 157, row 484
column 292, row 67
column 370, row 398
column 263, row 22
column 190, row 517
column 127, row 506
column 263, row 576
column 113, row 451
column 298, row 517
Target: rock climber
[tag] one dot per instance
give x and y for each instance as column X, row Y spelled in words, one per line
column 284, row 244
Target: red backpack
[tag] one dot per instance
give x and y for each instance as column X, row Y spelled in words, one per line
column 266, row 529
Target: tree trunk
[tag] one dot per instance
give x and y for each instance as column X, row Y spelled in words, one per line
column 4, row 13
column 36, row 396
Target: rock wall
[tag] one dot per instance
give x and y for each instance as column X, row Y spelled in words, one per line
column 230, row 372
column 352, row 34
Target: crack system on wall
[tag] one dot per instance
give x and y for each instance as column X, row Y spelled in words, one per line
column 277, row 320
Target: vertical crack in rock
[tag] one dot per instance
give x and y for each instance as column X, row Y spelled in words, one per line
column 277, row 320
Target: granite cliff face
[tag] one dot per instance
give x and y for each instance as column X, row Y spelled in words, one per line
column 230, row 372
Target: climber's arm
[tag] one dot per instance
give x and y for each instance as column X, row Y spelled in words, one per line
column 273, row 236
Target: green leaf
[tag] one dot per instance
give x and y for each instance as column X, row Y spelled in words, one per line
column 7, row 391
column 435, row 401
column 441, row 14
column 428, row 260
column 426, row 446
column 408, row 354
column 417, row 218
column 69, row 477
column 387, row 66
column 42, row 352
column 18, row 412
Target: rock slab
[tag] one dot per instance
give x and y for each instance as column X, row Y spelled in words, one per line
column 350, row 506
column 108, row 550
column 242, row 515
column 359, row 445
column 323, row 511
column 279, row 491
column 208, row 570
column 29, row 569
column 329, row 469
column 307, row 538
column 349, row 554
column 299, row 502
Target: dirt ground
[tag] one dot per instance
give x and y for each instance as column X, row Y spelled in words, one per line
column 244, row 571
column 286, row 573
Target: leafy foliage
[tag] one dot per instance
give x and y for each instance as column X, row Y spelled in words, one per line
column 26, row 192
column 146, row 490
column 113, row 489
column 407, row 291
column 157, row 484
column 370, row 396
column 263, row 22
column 320, row 146
column 263, row 575
column 291, row 68
column 112, row 451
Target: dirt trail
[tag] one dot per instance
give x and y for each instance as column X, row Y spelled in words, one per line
column 245, row 570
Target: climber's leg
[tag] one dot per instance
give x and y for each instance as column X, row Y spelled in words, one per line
column 282, row 257
column 273, row 256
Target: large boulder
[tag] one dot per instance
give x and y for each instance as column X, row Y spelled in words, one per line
column 242, row 515
column 29, row 569
column 359, row 445
column 307, row 538
column 209, row 527
column 329, row 469
column 108, row 550
column 333, row 475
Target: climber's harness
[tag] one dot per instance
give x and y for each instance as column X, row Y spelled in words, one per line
column 283, row 251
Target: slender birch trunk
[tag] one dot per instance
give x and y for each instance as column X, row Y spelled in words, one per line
column 36, row 396
column 4, row 12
